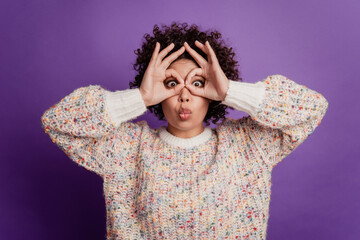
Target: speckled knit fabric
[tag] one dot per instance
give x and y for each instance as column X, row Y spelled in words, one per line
column 216, row 185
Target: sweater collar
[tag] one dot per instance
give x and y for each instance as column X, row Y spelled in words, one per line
column 184, row 142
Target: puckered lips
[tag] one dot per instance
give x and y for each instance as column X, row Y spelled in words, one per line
column 184, row 113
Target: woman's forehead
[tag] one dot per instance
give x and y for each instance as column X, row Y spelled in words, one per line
column 183, row 64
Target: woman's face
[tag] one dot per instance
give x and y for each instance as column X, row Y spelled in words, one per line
column 185, row 112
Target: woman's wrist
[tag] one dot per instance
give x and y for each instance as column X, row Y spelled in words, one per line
column 144, row 98
column 224, row 94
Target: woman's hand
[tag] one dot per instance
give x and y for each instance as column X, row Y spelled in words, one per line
column 216, row 83
column 153, row 88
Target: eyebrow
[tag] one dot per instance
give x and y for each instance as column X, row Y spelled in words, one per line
column 197, row 76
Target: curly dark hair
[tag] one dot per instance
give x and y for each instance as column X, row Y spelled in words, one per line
column 178, row 33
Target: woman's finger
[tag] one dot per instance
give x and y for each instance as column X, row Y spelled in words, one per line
column 172, row 91
column 198, row 58
column 212, row 55
column 192, row 73
column 167, row 61
column 172, row 73
column 201, row 46
column 176, row 90
column 155, row 53
column 195, row 90
column 188, row 83
column 164, row 52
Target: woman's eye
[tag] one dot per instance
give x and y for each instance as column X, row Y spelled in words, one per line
column 198, row 83
column 171, row 83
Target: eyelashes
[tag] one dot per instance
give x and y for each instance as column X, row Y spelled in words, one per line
column 173, row 83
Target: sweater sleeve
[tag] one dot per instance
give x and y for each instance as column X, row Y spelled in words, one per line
column 282, row 114
column 84, row 123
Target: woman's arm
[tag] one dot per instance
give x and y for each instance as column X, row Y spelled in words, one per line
column 282, row 114
column 84, row 123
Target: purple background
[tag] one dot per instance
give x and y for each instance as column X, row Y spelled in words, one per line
column 50, row 48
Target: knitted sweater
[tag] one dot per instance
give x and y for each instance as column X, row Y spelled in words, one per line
column 216, row 185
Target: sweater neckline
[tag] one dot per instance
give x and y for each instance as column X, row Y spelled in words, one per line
column 199, row 139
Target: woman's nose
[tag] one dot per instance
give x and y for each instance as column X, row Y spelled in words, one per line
column 184, row 95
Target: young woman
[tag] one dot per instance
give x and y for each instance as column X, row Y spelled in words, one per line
column 184, row 180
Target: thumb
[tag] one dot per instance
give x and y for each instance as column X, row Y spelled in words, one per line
column 178, row 88
column 173, row 91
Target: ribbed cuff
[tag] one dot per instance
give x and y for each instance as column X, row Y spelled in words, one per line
column 124, row 105
column 245, row 97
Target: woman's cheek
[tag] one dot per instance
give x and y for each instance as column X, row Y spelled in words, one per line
column 204, row 108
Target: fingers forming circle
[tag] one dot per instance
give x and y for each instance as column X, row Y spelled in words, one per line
column 173, row 91
column 192, row 73
column 172, row 73
column 195, row 91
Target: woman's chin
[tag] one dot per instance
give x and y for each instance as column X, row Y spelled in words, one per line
column 185, row 125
